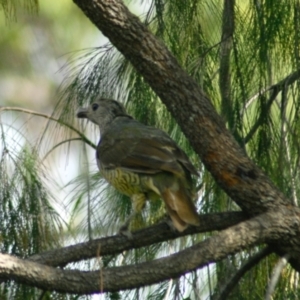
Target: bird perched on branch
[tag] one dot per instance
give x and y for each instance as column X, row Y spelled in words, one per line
column 143, row 162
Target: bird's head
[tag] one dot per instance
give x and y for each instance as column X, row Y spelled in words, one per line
column 102, row 112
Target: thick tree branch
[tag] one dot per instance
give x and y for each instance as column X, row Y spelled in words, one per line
column 141, row 238
column 232, row 169
column 261, row 229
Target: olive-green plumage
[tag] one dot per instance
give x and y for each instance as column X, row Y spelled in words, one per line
column 143, row 162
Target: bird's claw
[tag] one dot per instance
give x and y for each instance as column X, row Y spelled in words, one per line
column 124, row 230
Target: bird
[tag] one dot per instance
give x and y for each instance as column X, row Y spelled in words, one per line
column 143, row 162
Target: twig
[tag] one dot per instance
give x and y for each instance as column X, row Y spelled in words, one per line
column 225, row 53
column 42, row 295
column 226, row 289
column 287, row 128
column 261, row 117
column 283, row 84
column 59, row 144
column 275, row 277
column 31, row 112
column 288, row 80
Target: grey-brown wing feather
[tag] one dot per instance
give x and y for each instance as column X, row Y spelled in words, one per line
column 135, row 147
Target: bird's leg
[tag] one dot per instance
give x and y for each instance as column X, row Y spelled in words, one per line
column 138, row 201
column 124, row 229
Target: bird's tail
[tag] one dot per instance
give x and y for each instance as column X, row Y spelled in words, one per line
column 180, row 206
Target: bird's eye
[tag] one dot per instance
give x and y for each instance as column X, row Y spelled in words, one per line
column 95, row 106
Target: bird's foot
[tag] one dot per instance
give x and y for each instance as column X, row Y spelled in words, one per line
column 170, row 224
column 124, row 230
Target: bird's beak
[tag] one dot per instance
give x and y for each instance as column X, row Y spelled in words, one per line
column 82, row 113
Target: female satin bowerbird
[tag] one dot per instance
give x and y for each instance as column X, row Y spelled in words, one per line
column 143, row 162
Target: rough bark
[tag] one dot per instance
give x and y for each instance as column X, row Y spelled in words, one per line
column 117, row 244
column 261, row 229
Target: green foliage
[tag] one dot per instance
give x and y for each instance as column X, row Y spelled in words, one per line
column 29, row 224
column 10, row 7
column 25, row 205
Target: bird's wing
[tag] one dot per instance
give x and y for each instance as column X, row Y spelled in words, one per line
column 143, row 149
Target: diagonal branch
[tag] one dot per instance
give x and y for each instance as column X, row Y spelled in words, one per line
column 276, row 89
column 141, row 238
column 275, row 277
column 279, row 86
column 225, row 290
column 260, row 229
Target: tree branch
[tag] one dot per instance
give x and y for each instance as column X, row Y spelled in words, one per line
column 225, row 52
column 279, row 86
column 276, row 89
column 141, row 238
column 275, row 277
column 38, row 114
column 261, row 229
